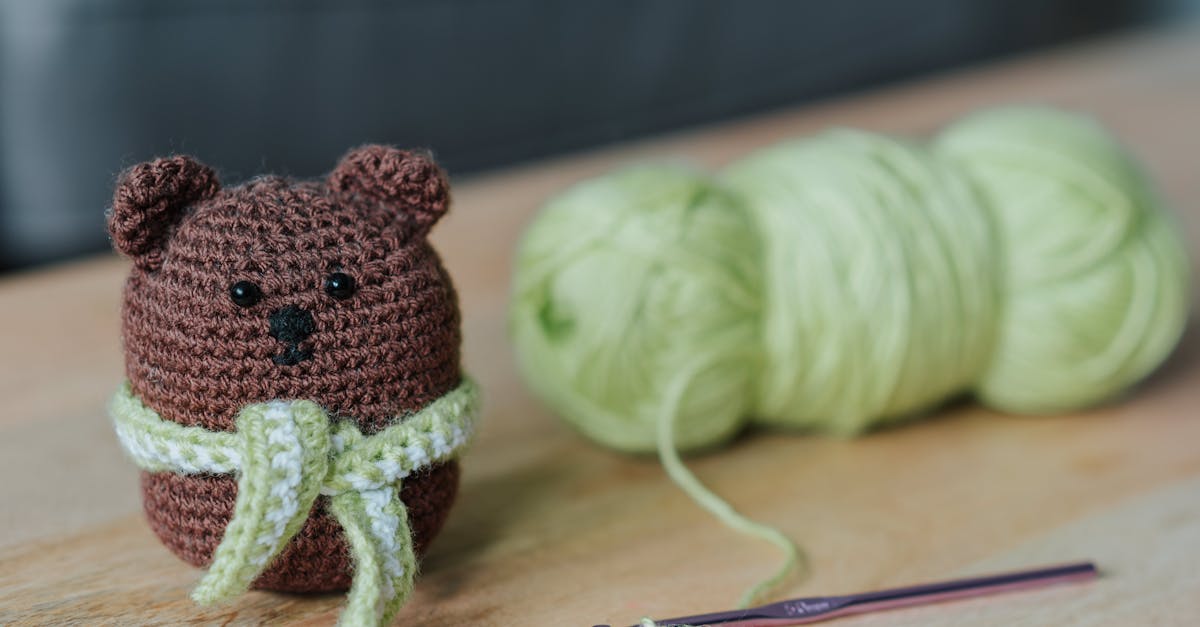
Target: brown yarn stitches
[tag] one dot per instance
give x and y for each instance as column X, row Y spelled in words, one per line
column 386, row 347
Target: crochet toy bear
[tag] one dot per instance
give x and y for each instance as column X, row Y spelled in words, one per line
column 326, row 291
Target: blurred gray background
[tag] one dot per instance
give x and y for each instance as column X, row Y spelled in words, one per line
column 88, row 87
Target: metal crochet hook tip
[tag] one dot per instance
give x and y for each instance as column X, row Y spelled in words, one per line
column 815, row 609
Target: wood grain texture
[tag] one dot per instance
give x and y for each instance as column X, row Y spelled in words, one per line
column 550, row 530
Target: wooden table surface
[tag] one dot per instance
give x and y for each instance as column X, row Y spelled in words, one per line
column 551, row 530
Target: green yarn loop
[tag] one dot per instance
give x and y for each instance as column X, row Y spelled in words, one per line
column 843, row 281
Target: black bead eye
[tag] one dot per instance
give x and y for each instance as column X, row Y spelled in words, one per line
column 339, row 285
column 245, row 294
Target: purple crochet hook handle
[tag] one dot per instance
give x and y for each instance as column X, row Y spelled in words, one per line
column 814, row 609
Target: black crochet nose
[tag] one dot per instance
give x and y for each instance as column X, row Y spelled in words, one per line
column 292, row 325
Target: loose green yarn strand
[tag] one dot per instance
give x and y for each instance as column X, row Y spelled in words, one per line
column 668, row 454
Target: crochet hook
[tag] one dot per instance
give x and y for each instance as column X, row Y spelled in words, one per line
column 815, row 609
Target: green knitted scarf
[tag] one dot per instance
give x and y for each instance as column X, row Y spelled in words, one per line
column 285, row 453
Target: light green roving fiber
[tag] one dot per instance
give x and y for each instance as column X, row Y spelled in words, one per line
column 839, row 282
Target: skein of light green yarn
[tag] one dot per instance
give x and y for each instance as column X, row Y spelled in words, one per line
column 1096, row 279
column 1022, row 255
column 843, row 281
column 624, row 283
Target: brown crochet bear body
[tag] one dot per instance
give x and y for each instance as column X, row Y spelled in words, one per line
column 276, row 289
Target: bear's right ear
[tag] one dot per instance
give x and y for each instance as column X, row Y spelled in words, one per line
column 149, row 200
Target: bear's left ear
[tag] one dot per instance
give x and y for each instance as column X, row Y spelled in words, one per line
column 410, row 182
